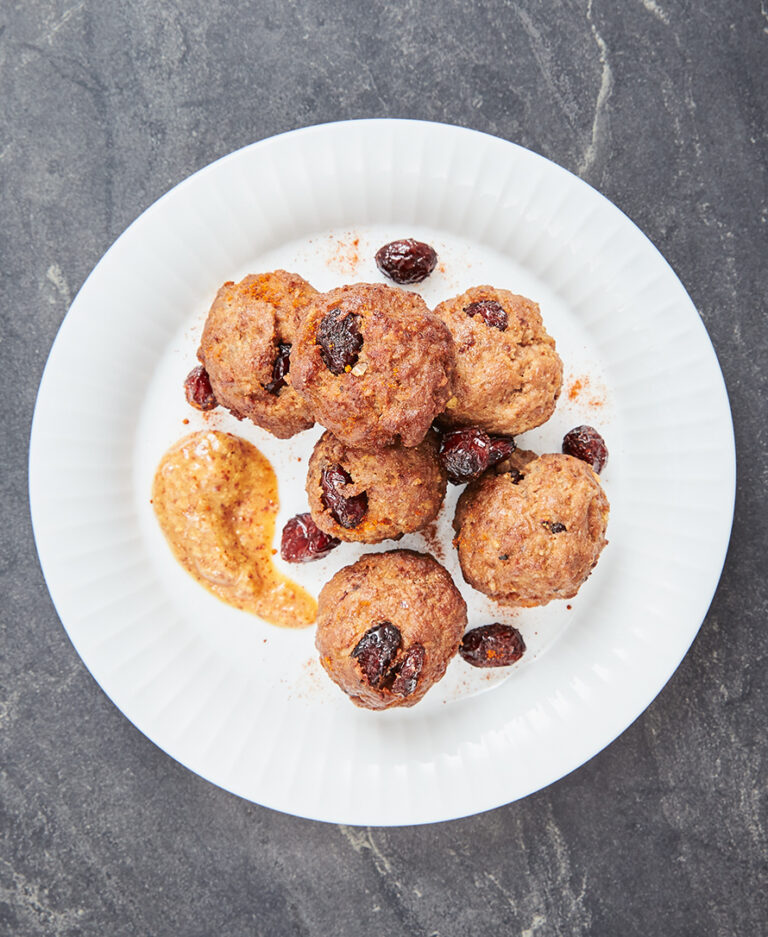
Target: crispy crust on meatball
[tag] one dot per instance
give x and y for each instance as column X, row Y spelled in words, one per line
column 527, row 540
column 410, row 591
column 507, row 381
column 245, row 325
column 404, row 487
column 403, row 372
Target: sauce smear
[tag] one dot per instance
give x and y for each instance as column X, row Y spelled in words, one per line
column 215, row 497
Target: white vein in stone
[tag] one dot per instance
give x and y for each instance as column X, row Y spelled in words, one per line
column 606, row 86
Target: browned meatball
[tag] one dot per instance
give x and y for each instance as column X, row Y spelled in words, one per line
column 246, row 350
column 387, row 626
column 532, row 533
column 375, row 365
column 508, row 374
column 370, row 496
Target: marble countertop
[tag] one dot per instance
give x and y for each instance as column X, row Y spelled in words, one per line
column 662, row 106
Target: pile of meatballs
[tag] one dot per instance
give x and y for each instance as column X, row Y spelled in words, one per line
column 411, row 399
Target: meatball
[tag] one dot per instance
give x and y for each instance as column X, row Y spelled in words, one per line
column 374, row 364
column 356, row 494
column 533, row 532
column 387, row 627
column 508, row 374
column 246, row 350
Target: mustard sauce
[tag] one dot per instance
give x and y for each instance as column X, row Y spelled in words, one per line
column 215, row 497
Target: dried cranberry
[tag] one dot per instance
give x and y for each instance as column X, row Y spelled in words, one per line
column 198, row 390
column 376, row 650
column 406, row 674
column 585, row 443
column 340, row 340
column 502, row 448
column 347, row 511
column 491, row 312
column 492, row 646
column 303, row 540
column 280, row 368
column 554, row 527
column 515, row 475
column 406, row 261
column 465, row 454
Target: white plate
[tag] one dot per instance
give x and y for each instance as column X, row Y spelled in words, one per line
column 244, row 704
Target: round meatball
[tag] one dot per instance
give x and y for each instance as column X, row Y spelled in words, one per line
column 508, row 374
column 370, row 496
column 387, row 626
column 534, row 532
column 375, row 365
column 246, row 350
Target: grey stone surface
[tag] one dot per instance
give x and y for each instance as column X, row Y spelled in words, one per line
column 661, row 104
